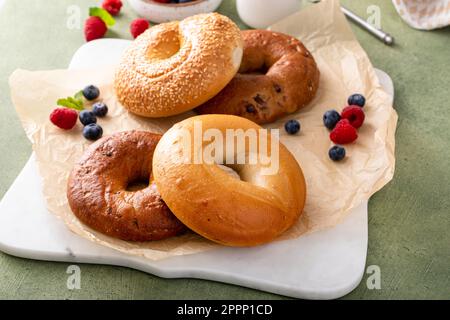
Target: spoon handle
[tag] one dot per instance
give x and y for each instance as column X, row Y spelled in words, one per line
column 380, row 34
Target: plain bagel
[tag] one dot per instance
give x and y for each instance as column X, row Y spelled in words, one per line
column 176, row 66
column 248, row 211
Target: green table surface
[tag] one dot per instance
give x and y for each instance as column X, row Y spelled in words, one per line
column 409, row 219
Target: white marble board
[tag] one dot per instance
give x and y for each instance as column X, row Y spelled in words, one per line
column 322, row 265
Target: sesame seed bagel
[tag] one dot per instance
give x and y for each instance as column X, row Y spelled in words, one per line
column 174, row 67
column 98, row 190
column 251, row 210
column 277, row 76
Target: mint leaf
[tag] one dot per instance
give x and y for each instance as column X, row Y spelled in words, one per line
column 71, row 103
column 75, row 102
column 66, row 103
column 79, row 95
column 102, row 14
column 78, row 103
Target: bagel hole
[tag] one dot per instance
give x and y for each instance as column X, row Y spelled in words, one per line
column 165, row 49
column 230, row 171
column 259, row 70
column 137, row 184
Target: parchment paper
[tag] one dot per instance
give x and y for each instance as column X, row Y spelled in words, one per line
column 333, row 188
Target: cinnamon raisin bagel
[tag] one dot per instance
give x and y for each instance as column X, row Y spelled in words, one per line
column 98, row 191
column 277, row 76
column 176, row 66
column 251, row 210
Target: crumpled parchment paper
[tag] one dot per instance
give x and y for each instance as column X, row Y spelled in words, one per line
column 333, row 188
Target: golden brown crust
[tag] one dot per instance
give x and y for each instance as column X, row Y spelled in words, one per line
column 174, row 67
column 97, row 189
column 289, row 81
column 226, row 210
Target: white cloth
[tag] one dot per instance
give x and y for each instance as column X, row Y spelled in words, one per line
column 424, row 14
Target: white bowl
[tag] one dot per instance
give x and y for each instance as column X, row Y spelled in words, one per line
column 260, row 14
column 164, row 12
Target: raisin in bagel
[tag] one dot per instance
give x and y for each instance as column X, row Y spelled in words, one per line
column 236, row 212
column 174, row 67
column 277, row 76
column 98, row 195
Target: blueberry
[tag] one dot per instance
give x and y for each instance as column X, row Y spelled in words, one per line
column 250, row 108
column 356, row 100
column 92, row 131
column 100, row 109
column 292, row 126
column 336, row 153
column 91, row 92
column 330, row 118
column 87, row 117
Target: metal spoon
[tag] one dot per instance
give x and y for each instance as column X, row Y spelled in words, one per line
column 378, row 33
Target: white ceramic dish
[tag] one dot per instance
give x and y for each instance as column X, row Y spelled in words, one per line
column 164, row 12
column 260, row 14
column 322, row 265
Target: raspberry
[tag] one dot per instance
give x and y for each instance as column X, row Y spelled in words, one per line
column 112, row 6
column 343, row 132
column 94, row 28
column 138, row 26
column 354, row 114
column 64, row 118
